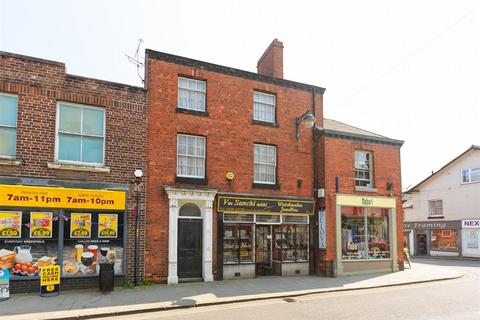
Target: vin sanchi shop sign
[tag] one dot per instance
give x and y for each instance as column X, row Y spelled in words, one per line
column 229, row 204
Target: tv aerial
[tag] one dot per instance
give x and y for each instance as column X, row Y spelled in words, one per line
column 137, row 60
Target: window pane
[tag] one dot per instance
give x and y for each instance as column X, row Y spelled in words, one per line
column 69, row 119
column 8, row 110
column 445, row 240
column 353, row 233
column 465, row 176
column 69, row 147
column 263, row 107
column 475, row 175
column 93, row 121
column 92, row 149
column 182, row 98
column 8, row 141
column 378, row 238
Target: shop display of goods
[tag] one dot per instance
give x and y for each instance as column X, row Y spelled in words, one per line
column 70, row 267
column 46, row 261
column 26, row 269
column 7, row 259
column 23, row 254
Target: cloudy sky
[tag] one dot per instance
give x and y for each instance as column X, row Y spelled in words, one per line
column 408, row 70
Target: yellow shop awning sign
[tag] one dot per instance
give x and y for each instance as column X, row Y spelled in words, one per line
column 49, row 197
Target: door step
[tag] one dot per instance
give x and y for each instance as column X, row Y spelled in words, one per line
column 181, row 280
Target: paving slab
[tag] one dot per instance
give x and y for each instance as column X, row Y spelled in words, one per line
column 84, row 304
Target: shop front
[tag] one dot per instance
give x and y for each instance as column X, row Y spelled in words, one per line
column 470, row 237
column 263, row 236
column 366, row 234
column 73, row 228
column 440, row 238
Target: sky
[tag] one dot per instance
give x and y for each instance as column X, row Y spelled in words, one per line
column 408, row 70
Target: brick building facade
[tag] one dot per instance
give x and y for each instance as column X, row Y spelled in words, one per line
column 349, row 184
column 75, row 135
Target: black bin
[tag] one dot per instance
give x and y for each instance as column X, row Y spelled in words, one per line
column 106, row 277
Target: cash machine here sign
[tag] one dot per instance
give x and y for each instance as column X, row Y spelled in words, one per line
column 49, row 197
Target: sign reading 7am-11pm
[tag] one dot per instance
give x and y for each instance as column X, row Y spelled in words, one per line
column 47, row 197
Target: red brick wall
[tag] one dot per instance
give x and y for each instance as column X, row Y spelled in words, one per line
column 230, row 136
column 337, row 159
column 39, row 85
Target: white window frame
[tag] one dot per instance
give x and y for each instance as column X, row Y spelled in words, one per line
column 187, row 155
column 430, row 211
column 268, row 164
column 16, row 127
column 469, row 170
column 274, row 106
column 370, row 170
column 57, row 134
column 204, row 94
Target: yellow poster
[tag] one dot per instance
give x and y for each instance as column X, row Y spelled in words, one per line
column 107, row 225
column 41, row 224
column 10, row 224
column 49, row 275
column 80, row 225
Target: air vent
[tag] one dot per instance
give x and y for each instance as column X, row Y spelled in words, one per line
column 237, row 274
column 297, row 271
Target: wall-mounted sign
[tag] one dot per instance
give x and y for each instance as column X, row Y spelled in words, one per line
column 48, row 197
column 4, row 285
column 230, row 176
column 50, row 281
column 229, row 204
column 41, row 224
column 471, row 224
column 364, row 201
column 322, row 230
column 80, row 225
column 10, row 224
column 107, row 225
column 432, row 225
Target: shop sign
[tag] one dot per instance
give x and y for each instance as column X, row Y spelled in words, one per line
column 10, row 224
column 80, row 225
column 107, row 225
column 364, row 201
column 41, row 224
column 432, row 225
column 471, row 224
column 4, row 285
column 322, row 230
column 48, row 197
column 261, row 205
column 50, row 281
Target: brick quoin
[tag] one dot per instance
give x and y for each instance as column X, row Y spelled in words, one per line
column 39, row 85
column 230, row 134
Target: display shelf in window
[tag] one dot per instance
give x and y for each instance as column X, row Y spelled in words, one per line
column 238, row 243
column 290, row 243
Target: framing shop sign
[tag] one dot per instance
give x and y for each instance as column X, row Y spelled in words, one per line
column 50, row 281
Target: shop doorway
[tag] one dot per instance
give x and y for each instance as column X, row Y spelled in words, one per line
column 263, row 250
column 189, row 248
column 421, row 244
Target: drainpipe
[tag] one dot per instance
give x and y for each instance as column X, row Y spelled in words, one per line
column 315, row 187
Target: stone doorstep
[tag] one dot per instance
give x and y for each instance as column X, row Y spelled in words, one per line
column 92, row 313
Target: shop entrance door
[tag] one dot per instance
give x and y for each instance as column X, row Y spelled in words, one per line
column 189, row 248
column 421, row 244
column 263, row 250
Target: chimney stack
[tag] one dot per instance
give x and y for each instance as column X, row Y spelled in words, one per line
column 271, row 62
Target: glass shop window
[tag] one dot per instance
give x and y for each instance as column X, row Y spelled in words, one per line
column 445, row 240
column 238, row 243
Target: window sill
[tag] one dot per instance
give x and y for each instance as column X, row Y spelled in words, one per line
column 193, row 112
column 10, row 162
column 265, row 186
column 268, row 124
column 365, row 189
column 202, row 181
column 435, row 217
column 77, row 167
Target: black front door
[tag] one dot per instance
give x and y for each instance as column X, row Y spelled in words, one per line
column 421, row 244
column 189, row 248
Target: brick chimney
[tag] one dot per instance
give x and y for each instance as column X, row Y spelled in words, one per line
column 271, row 62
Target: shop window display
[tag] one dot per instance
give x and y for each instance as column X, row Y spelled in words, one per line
column 365, row 233
column 28, row 241
column 446, row 240
column 238, row 243
column 91, row 237
column 290, row 243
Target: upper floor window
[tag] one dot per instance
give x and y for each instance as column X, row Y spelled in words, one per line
column 8, row 125
column 435, row 208
column 363, row 169
column 190, row 156
column 191, row 94
column 263, row 107
column 265, row 163
column 80, row 133
column 471, row 175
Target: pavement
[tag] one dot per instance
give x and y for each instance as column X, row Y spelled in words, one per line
column 86, row 304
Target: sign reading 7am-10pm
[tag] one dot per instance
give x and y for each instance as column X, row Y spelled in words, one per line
column 47, row 197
